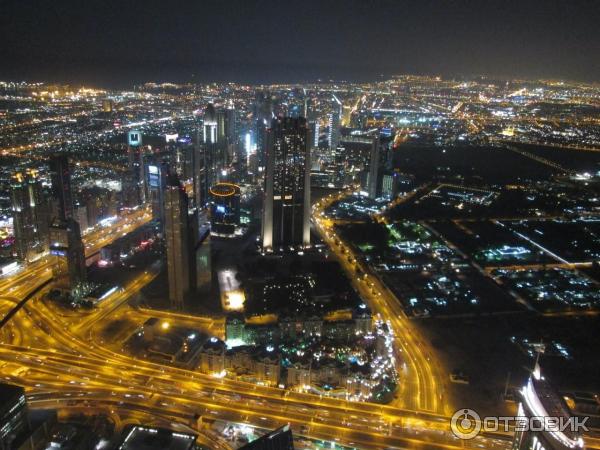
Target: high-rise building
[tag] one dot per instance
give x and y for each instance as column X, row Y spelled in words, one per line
column 210, row 125
column 30, row 215
column 213, row 150
column 225, row 209
column 286, row 208
column 14, row 415
column 376, row 166
column 64, row 232
column 62, row 197
column 538, row 401
column 107, row 105
column 180, row 236
column 333, row 138
column 135, row 157
column 155, row 181
column 68, row 252
column 263, row 114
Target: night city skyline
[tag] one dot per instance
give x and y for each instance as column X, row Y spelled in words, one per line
column 260, row 225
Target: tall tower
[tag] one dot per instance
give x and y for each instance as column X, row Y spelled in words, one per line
column 155, row 180
column 335, row 116
column 135, row 157
column 263, row 113
column 180, row 238
column 286, row 208
column 64, row 231
column 376, row 166
column 30, row 215
column 62, row 196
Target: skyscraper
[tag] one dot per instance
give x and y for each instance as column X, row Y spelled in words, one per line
column 286, row 209
column 335, row 116
column 210, row 125
column 62, row 198
column 14, row 415
column 155, row 179
column 180, row 236
column 376, row 166
column 212, row 152
column 68, row 251
column 135, row 156
column 263, row 113
column 30, row 215
column 64, row 232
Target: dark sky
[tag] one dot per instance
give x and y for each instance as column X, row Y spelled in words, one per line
column 119, row 43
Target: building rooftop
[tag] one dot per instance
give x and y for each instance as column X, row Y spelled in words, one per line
column 148, row 438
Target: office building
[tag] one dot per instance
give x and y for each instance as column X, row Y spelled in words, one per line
column 333, row 138
column 376, row 167
column 225, row 209
column 135, row 161
column 155, row 182
column 180, row 229
column 30, row 215
column 14, row 415
column 68, row 252
column 62, row 197
column 64, row 232
column 263, row 114
column 107, row 105
column 211, row 154
column 210, row 125
column 286, row 208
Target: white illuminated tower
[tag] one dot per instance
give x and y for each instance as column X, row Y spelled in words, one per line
column 335, row 116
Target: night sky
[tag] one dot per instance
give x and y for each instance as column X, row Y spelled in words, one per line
column 112, row 43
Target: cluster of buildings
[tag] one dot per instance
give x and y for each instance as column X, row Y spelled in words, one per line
column 43, row 225
column 343, row 354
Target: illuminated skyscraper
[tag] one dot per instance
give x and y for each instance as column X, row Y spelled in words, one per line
column 135, row 156
column 180, row 236
column 212, row 153
column 30, row 215
column 155, row 180
column 210, row 125
column 335, row 116
column 225, row 211
column 286, row 209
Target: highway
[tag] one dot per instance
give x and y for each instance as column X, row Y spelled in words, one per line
column 33, row 275
column 53, row 355
column 419, row 387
